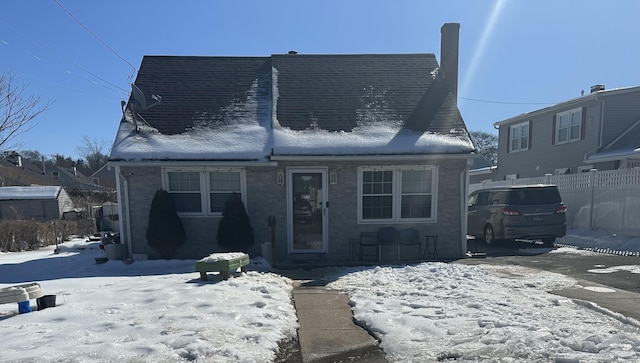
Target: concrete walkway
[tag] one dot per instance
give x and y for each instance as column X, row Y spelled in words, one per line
column 327, row 330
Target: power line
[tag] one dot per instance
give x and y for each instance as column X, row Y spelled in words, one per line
column 60, row 55
column 133, row 69
column 507, row 103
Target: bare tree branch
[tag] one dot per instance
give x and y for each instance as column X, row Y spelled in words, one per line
column 17, row 110
column 94, row 152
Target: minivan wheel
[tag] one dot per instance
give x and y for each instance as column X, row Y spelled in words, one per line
column 489, row 235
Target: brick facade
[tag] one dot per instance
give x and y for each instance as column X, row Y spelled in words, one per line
column 265, row 197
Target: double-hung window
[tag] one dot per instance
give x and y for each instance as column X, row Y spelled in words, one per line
column 519, row 137
column 568, row 126
column 203, row 192
column 396, row 194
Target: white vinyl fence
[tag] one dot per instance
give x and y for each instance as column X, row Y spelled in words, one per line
column 608, row 199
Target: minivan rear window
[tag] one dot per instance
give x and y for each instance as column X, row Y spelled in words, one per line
column 534, row 196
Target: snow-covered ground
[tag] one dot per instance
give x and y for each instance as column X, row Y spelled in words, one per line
column 159, row 311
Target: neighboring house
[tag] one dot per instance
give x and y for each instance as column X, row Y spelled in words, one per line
column 600, row 130
column 40, row 203
column 73, row 180
column 105, row 177
column 328, row 145
column 481, row 169
column 16, row 171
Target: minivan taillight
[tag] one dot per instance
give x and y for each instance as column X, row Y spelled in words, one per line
column 511, row 212
column 562, row 209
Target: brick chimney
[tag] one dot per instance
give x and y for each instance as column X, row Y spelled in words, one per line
column 449, row 43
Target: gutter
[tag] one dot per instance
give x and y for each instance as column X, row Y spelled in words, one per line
column 192, row 163
column 385, row 157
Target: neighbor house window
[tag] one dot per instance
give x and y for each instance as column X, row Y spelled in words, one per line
column 394, row 194
column 55, row 175
column 519, row 137
column 203, row 192
column 568, row 126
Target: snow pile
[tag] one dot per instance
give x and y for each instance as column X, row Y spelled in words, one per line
column 160, row 311
column 436, row 311
column 216, row 257
column 149, row 311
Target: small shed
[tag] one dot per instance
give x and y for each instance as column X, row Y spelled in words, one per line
column 41, row 203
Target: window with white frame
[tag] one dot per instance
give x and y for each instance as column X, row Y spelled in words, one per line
column 203, row 192
column 568, row 126
column 404, row 193
column 519, row 137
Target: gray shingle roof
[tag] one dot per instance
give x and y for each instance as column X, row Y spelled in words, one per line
column 331, row 92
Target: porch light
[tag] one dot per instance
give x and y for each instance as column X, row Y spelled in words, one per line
column 280, row 177
column 333, row 177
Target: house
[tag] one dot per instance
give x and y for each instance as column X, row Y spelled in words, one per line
column 319, row 147
column 105, row 177
column 18, row 171
column 599, row 130
column 480, row 170
column 40, row 203
column 73, row 180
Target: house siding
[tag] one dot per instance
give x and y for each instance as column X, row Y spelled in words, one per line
column 543, row 156
column 265, row 197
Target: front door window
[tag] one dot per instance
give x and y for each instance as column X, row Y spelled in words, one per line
column 307, row 210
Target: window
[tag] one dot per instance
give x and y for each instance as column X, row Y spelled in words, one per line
column 95, row 181
column 396, row 194
column 203, row 192
column 568, row 126
column 519, row 137
column 55, row 175
column 221, row 185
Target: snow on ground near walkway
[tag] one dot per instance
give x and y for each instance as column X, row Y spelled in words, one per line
column 159, row 311
column 149, row 311
column 436, row 311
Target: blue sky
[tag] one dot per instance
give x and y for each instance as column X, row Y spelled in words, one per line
column 515, row 55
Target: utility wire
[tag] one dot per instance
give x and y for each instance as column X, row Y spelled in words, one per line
column 133, row 69
column 60, row 55
column 508, row 103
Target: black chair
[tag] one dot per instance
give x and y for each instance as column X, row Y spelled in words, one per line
column 409, row 237
column 386, row 237
column 368, row 240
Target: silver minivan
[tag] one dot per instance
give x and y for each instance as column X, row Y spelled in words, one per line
column 526, row 212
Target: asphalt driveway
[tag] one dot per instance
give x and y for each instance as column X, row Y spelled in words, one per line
column 617, row 290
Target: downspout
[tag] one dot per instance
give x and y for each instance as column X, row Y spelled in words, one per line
column 464, row 187
column 123, row 209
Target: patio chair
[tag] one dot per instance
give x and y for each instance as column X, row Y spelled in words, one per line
column 409, row 237
column 368, row 240
column 386, row 237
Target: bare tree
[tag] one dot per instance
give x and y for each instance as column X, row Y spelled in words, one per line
column 94, row 152
column 487, row 145
column 17, row 110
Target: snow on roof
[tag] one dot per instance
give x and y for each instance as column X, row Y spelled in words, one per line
column 254, row 142
column 367, row 140
column 29, row 192
column 246, row 131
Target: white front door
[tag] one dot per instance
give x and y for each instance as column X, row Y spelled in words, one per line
column 307, row 210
